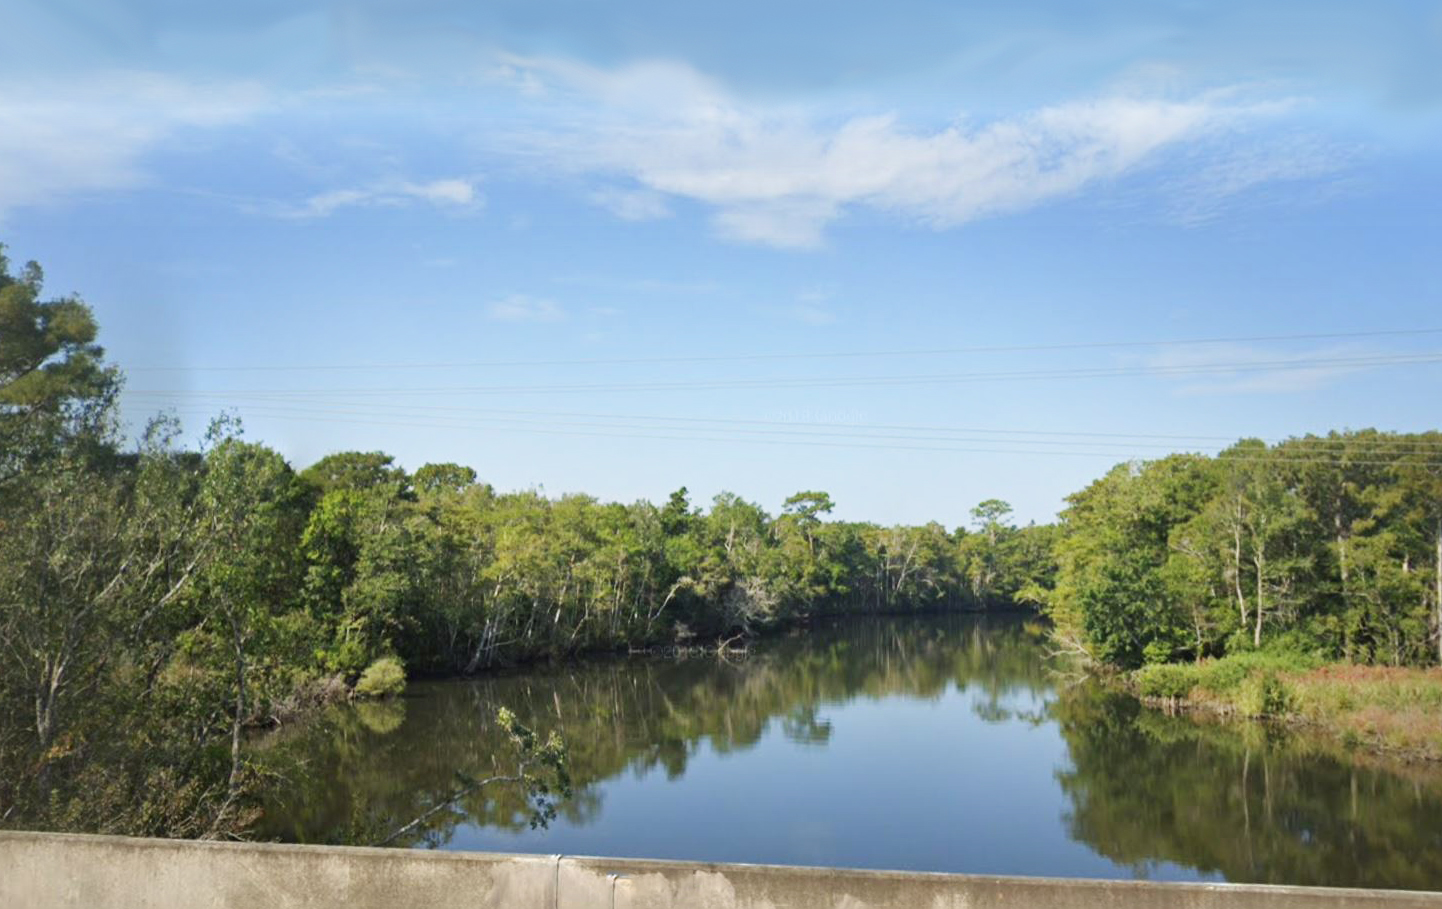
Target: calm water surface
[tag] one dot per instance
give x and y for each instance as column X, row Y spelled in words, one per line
column 939, row 745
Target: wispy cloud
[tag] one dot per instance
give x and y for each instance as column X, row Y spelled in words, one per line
column 649, row 135
column 63, row 139
column 1244, row 175
column 521, row 308
column 780, row 176
column 99, row 133
column 632, row 205
column 454, row 193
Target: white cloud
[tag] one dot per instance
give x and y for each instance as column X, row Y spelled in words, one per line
column 780, row 176
column 653, row 133
column 62, row 139
column 447, row 192
column 451, row 193
column 521, row 308
column 632, row 205
column 1242, row 175
column 785, row 223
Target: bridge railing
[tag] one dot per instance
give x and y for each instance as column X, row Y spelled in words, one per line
column 61, row 871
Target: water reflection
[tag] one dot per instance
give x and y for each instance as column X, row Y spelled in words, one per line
column 1245, row 801
column 927, row 744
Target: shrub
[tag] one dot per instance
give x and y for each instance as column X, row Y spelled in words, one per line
column 1166, row 680
column 1295, row 648
column 1288, row 660
column 346, row 657
column 1222, row 676
column 1226, row 675
column 1157, row 651
column 1238, row 642
column 308, row 694
column 1263, row 694
column 382, row 679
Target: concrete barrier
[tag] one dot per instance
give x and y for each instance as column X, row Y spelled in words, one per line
column 51, row 871
column 57, row 871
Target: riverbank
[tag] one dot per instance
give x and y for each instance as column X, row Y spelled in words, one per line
column 1383, row 709
column 974, row 706
column 732, row 641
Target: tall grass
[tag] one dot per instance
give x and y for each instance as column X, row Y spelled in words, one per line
column 1386, row 709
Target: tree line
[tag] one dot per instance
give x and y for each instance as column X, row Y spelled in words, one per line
column 158, row 599
column 1327, row 545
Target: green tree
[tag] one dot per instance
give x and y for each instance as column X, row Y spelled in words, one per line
column 361, row 559
column 438, row 478
column 1110, row 600
column 1417, row 509
column 48, row 354
column 982, row 552
column 54, row 383
column 988, row 517
column 247, row 500
column 360, row 471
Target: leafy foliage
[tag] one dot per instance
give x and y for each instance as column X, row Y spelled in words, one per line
column 184, row 596
column 1167, row 680
column 382, row 679
column 1329, row 547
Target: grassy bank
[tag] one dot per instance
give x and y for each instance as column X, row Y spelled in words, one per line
column 1384, row 709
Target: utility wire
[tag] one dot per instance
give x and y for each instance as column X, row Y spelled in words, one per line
column 858, row 431
column 1269, row 459
column 854, row 354
column 407, row 409
column 855, row 381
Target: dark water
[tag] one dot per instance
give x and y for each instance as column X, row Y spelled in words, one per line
column 940, row 745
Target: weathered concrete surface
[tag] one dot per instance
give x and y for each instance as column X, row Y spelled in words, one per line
column 50, row 871
column 59, row 871
column 588, row 883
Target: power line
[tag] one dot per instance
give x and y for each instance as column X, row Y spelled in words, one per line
column 789, row 428
column 854, row 354
column 1270, row 459
column 857, row 381
column 721, row 423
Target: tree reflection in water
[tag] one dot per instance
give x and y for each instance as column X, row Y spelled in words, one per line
column 1139, row 788
column 1251, row 802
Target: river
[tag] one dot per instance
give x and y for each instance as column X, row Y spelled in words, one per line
column 946, row 744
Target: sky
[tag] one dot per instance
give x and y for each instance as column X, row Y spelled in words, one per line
column 915, row 254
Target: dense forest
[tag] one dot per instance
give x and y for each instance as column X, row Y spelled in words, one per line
column 1329, row 546
column 157, row 599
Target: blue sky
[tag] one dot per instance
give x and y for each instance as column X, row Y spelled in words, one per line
column 885, row 251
